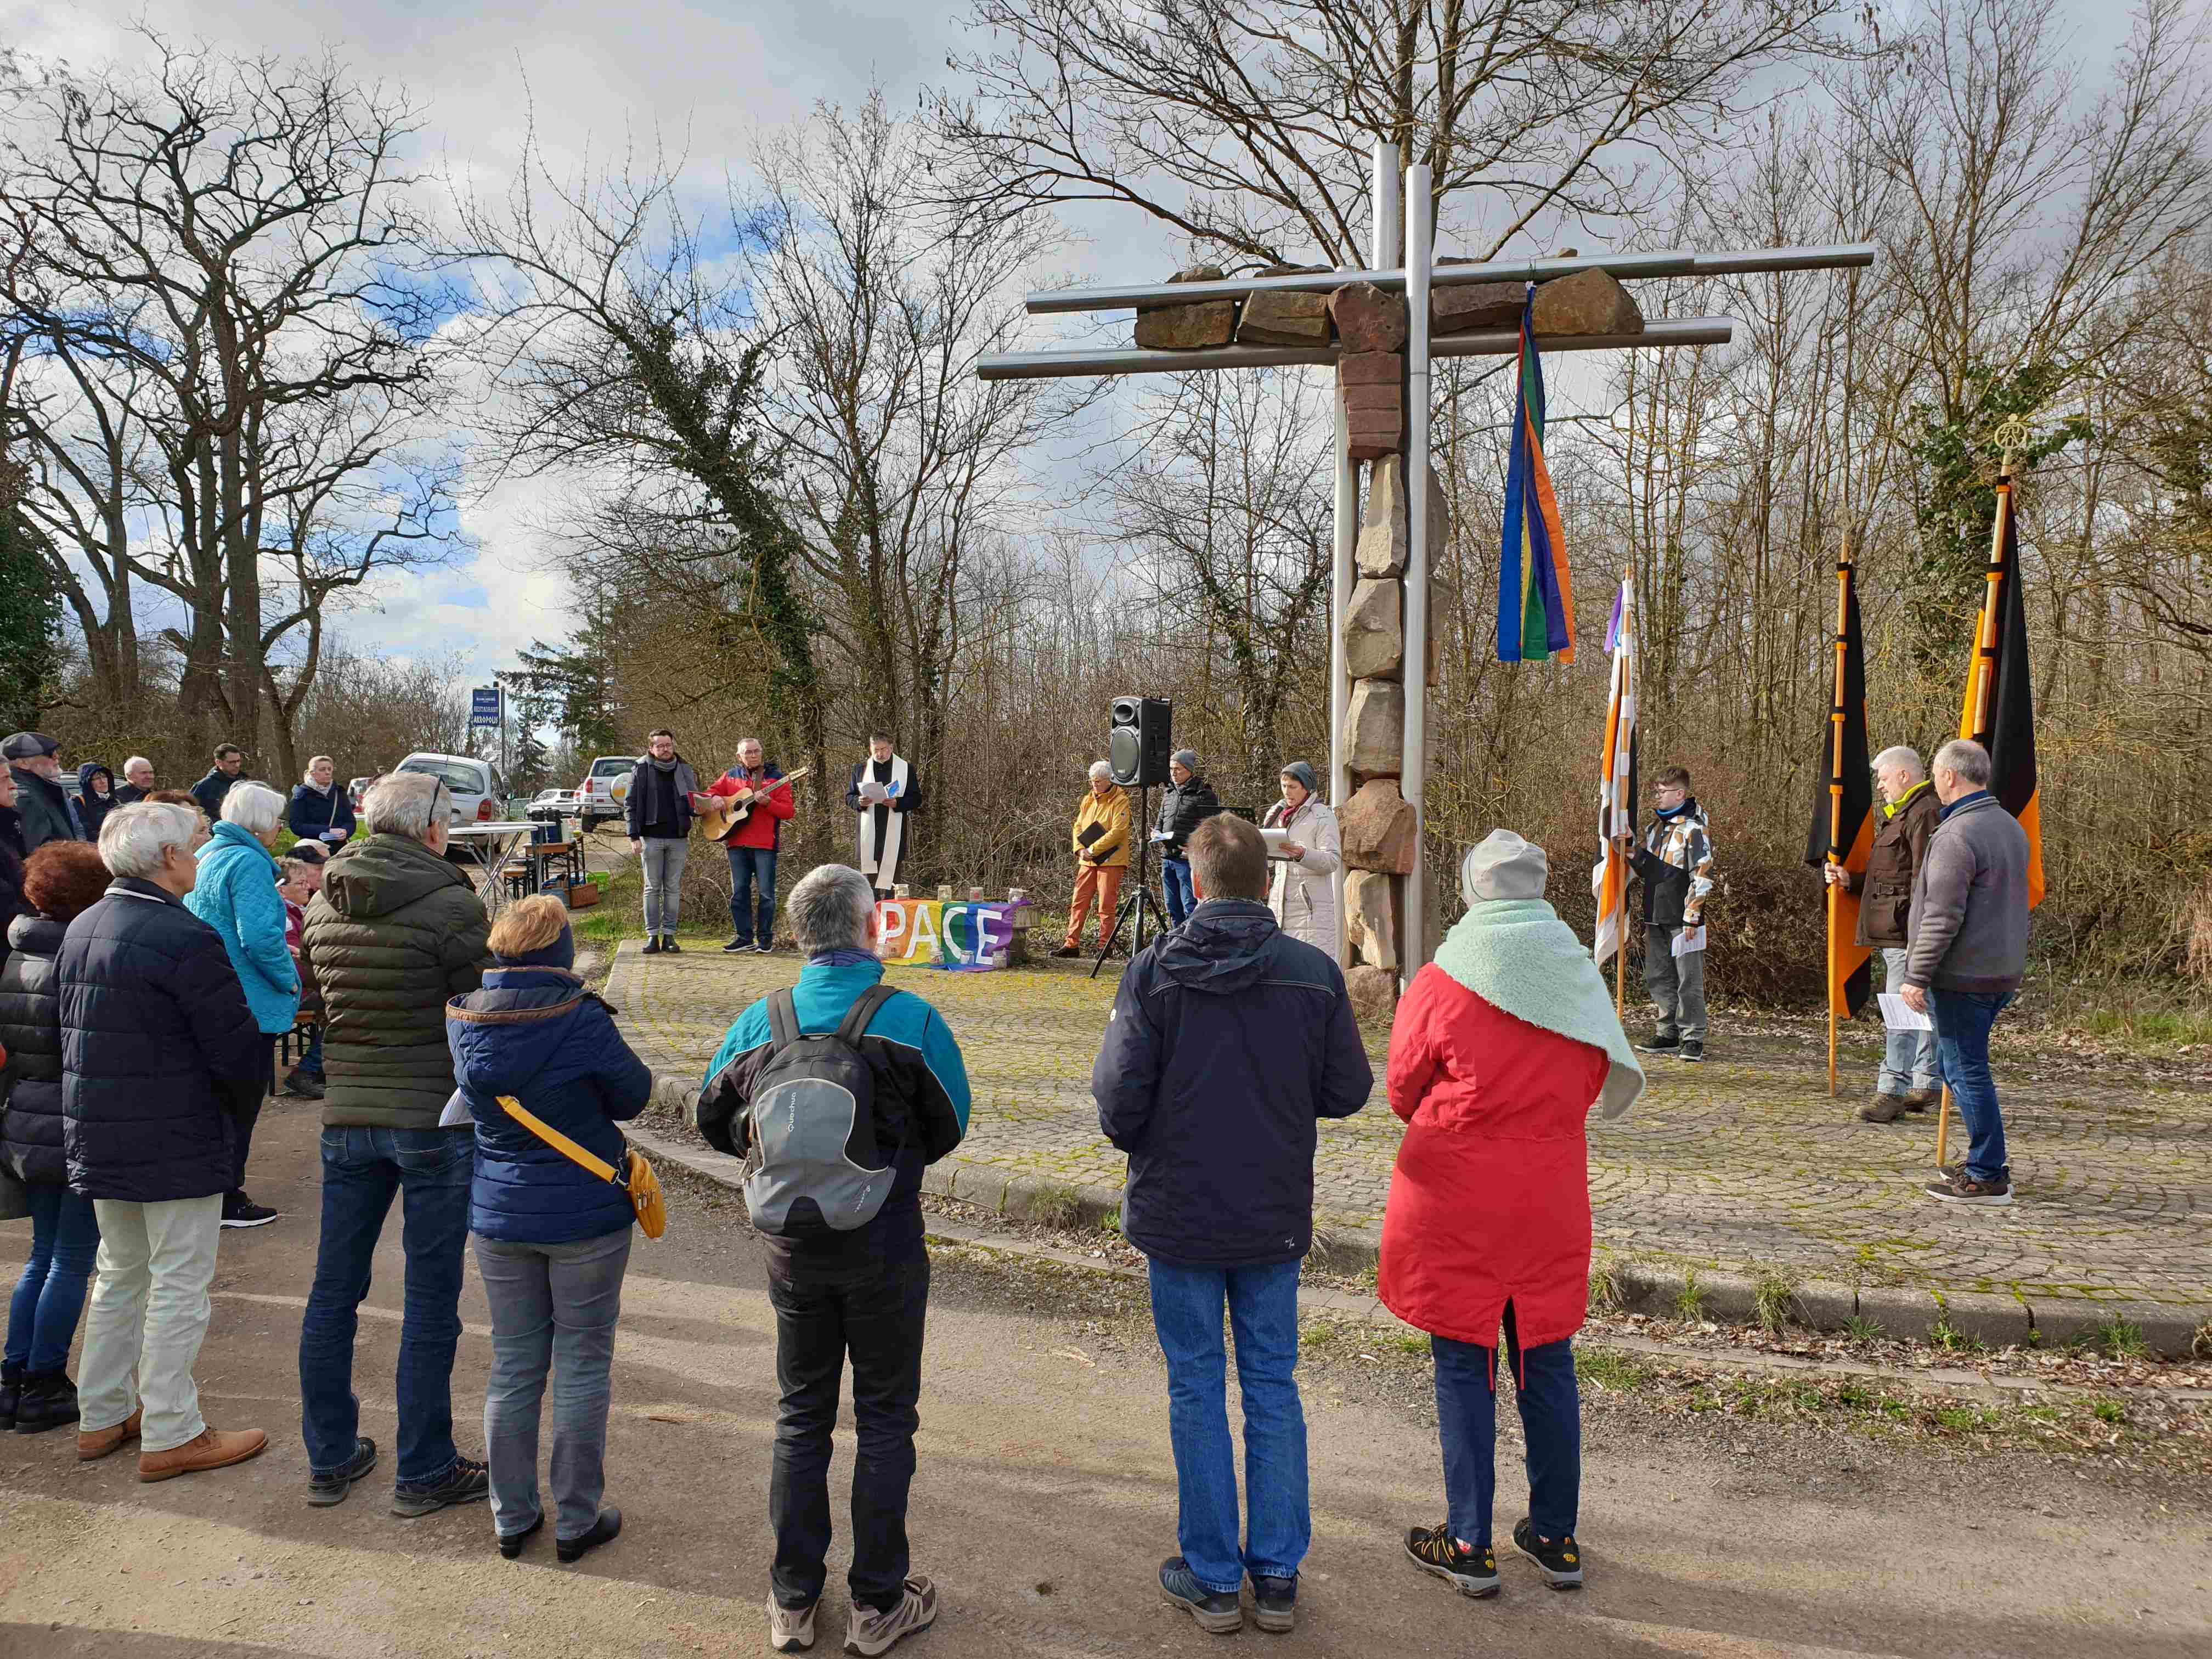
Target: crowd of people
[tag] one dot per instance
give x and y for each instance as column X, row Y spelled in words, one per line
column 466, row 1072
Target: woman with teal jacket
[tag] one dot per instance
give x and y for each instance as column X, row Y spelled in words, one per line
column 236, row 895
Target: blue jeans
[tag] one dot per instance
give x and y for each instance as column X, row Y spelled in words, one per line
column 1551, row 1426
column 363, row 1170
column 1175, row 881
column 747, row 865
column 1963, row 1019
column 311, row 1058
column 49, row 1297
column 1263, row 1311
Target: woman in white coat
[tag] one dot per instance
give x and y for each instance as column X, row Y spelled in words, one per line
column 1300, row 891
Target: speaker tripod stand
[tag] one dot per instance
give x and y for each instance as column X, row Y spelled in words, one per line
column 1139, row 902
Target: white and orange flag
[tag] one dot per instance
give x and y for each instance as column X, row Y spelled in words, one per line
column 1616, row 789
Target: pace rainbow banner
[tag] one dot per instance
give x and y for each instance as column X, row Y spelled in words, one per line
column 963, row 936
column 1535, row 594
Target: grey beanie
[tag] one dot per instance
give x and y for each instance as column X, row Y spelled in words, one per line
column 1304, row 774
column 1504, row 866
column 1186, row 758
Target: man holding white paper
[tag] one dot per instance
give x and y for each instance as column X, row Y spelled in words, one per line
column 1910, row 1081
column 1676, row 864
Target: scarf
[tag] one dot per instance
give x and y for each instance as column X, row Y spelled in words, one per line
column 845, row 957
column 1517, row 956
column 1891, row 809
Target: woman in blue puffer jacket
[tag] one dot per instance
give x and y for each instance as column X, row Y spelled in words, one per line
column 236, row 895
column 552, row 1238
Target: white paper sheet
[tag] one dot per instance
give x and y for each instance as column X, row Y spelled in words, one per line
column 1689, row 939
column 1898, row 1016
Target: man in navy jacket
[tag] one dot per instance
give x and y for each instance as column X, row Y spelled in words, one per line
column 1229, row 1040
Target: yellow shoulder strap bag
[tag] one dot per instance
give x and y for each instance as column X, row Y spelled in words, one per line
column 637, row 1178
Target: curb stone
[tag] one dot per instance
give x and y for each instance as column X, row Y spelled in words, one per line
column 1903, row 1312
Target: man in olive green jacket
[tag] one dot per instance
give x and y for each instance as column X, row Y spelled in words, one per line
column 395, row 932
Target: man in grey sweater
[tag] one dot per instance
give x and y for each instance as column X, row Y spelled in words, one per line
column 1967, row 951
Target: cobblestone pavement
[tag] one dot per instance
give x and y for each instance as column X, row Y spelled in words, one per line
column 1742, row 1164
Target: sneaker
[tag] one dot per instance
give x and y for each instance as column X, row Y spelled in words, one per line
column 790, row 1629
column 300, row 1086
column 48, row 1402
column 652, row 945
column 1691, row 1049
column 1561, row 1560
column 605, row 1530
column 330, row 1487
column 95, row 1443
column 464, row 1483
column 736, row 945
column 210, row 1449
column 1472, row 1573
column 1924, row 1100
column 669, row 947
column 764, row 949
column 1275, row 1602
column 1882, row 1108
column 1659, row 1042
column 1963, row 1188
column 1218, row 1612
column 240, row 1211
column 873, row 1632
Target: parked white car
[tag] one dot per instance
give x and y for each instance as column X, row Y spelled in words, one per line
column 606, row 788
column 479, row 793
column 555, row 804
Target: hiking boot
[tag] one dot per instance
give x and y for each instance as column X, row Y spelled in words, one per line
column 1560, row 1559
column 605, row 1530
column 1472, row 1573
column 1963, row 1188
column 95, row 1443
column 1924, row 1100
column 1882, row 1108
column 737, row 945
column 1216, row 1611
column 1693, row 1049
column 300, row 1086
column 210, row 1449
column 669, row 947
column 1067, row 950
column 791, row 1629
column 11, row 1391
column 1275, row 1602
column 330, row 1487
column 464, row 1483
column 240, row 1211
column 49, row 1401
column 1659, row 1042
column 873, row 1632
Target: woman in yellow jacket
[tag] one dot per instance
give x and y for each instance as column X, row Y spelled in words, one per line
column 1101, row 839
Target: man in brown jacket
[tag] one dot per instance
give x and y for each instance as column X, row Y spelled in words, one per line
column 1909, row 1082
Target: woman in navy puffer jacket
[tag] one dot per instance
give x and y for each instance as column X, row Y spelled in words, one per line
column 552, row 1238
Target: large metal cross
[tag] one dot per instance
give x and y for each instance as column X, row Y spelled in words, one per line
column 1403, row 265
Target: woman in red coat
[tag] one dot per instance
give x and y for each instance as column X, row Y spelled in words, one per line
column 1499, row 1050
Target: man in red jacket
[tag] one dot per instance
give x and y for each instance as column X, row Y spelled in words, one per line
column 753, row 845
column 1498, row 1052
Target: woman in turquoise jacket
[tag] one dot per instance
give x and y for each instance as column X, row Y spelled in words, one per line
column 236, row 895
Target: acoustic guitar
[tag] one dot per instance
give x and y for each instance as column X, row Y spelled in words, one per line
column 725, row 821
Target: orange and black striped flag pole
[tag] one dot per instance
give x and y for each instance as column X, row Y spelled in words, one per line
column 1842, row 813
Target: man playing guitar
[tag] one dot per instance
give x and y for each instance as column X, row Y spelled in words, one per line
column 753, row 845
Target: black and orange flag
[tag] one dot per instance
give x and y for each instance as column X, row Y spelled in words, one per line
column 1843, row 810
column 1999, row 712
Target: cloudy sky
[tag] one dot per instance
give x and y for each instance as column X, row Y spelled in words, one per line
column 703, row 77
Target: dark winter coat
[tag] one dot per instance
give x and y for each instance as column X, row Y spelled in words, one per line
column 535, row 1034
column 31, row 1031
column 1183, row 807
column 1884, row 887
column 211, row 791
column 43, row 805
column 156, row 1038
column 11, row 868
column 395, row 933
column 94, row 808
column 1229, row 1041
column 313, row 811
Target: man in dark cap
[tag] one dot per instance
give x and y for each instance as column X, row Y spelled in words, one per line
column 39, row 796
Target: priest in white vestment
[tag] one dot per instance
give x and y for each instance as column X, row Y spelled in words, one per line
column 883, row 789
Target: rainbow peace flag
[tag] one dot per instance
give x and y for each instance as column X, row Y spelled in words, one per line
column 1535, row 595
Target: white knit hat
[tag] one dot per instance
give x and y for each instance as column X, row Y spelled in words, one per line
column 1504, row 866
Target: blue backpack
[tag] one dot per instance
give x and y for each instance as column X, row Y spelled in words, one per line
column 812, row 1165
